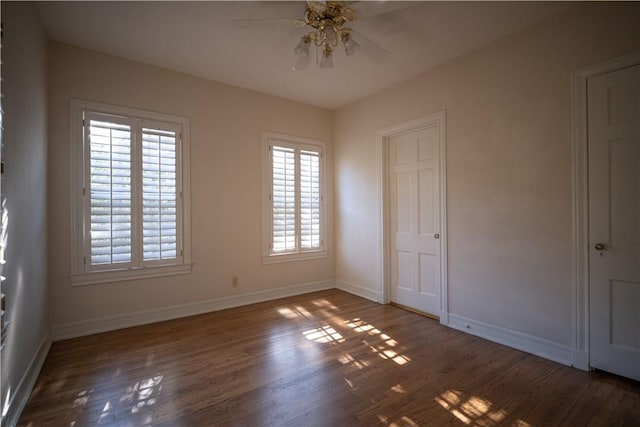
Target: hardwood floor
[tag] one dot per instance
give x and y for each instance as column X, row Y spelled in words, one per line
column 321, row 359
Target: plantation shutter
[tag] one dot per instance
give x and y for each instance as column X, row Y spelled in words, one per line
column 159, row 194
column 130, row 194
column 283, row 199
column 310, row 199
column 110, row 191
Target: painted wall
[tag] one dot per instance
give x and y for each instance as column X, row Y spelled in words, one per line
column 509, row 168
column 226, row 183
column 24, row 185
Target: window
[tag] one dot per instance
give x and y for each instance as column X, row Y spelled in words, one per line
column 131, row 194
column 293, row 198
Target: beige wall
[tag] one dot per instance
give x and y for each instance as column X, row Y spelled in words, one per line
column 226, row 184
column 508, row 168
column 24, row 185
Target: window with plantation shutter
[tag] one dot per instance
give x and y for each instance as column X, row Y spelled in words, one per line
column 131, row 194
column 294, row 205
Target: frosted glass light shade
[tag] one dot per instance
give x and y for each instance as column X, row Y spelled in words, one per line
column 350, row 45
column 302, row 49
column 327, row 58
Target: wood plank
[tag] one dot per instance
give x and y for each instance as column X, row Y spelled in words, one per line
column 326, row 358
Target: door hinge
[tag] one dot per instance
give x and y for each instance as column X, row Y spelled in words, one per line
column 84, row 260
column 180, row 252
column 84, row 192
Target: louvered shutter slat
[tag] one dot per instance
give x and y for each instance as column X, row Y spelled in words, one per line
column 110, row 192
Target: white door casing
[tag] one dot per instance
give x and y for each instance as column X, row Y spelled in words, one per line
column 614, row 221
column 414, row 255
column 580, row 232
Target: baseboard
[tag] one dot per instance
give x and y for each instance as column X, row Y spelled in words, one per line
column 104, row 324
column 528, row 343
column 581, row 360
column 358, row 290
column 22, row 392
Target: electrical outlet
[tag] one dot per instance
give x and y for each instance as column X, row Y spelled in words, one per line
column 234, row 281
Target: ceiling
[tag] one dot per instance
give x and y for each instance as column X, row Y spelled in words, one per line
column 197, row 38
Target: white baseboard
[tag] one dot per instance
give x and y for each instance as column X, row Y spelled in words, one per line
column 20, row 396
column 111, row 323
column 358, row 290
column 528, row 343
column 581, row 360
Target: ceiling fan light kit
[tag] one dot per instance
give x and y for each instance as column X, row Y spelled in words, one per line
column 326, row 20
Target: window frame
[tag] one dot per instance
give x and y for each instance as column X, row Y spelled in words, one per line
column 297, row 143
column 85, row 274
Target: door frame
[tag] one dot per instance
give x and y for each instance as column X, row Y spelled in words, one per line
column 580, row 187
column 384, row 205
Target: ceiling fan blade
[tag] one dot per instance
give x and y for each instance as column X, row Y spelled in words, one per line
column 368, row 9
column 266, row 23
column 373, row 50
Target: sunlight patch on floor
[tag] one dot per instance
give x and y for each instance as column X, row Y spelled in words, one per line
column 323, row 334
column 405, row 421
column 359, row 325
column 303, row 311
column 402, row 422
column 398, row 389
column 398, row 358
column 142, row 394
column 471, row 410
column 295, row 312
column 382, row 350
column 107, row 414
column 82, row 399
column 347, row 359
column 331, row 317
column 324, row 303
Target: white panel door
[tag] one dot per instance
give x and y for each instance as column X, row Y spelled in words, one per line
column 614, row 221
column 414, row 191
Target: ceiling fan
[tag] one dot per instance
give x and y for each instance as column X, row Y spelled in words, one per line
column 325, row 22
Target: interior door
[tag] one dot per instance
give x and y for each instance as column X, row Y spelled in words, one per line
column 414, row 191
column 614, row 221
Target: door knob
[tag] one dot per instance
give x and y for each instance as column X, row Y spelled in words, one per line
column 600, row 247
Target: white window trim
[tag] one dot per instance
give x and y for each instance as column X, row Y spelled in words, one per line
column 79, row 276
column 268, row 139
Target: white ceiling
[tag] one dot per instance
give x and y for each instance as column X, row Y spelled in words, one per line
column 197, row 38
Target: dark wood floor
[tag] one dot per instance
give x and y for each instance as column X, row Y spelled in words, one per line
column 322, row 359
